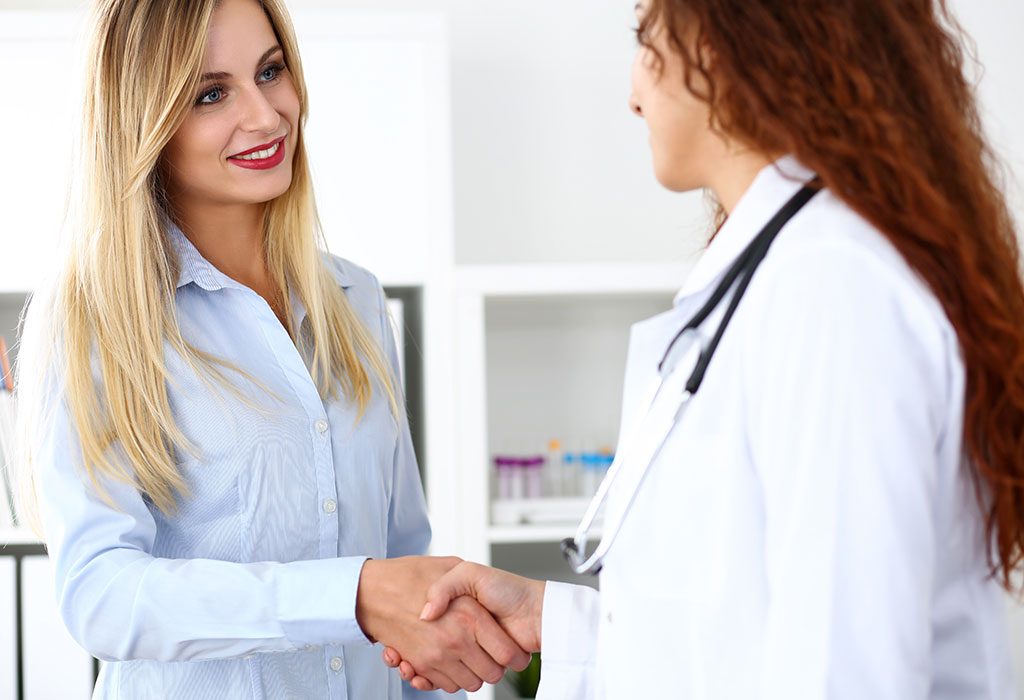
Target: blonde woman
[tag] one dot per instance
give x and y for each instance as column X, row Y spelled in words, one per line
column 214, row 443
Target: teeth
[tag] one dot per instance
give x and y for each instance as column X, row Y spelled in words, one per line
column 260, row 155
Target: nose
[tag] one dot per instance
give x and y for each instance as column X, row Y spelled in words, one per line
column 258, row 114
column 634, row 106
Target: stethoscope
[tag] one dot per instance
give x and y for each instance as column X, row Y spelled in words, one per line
column 665, row 408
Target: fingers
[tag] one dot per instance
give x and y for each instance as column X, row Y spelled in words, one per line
column 483, row 666
column 421, row 683
column 438, row 680
column 406, row 671
column 499, row 646
column 459, row 581
column 465, row 677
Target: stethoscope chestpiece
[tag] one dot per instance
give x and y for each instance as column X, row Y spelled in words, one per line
column 571, row 552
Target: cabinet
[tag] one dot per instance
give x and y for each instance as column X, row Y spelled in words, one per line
column 541, row 353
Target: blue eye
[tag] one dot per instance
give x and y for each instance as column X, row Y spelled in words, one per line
column 271, row 72
column 216, row 91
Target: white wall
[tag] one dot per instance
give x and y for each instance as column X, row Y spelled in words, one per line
column 548, row 162
column 995, row 27
column 549, row 165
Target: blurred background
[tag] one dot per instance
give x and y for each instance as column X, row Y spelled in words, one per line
column 479, row 157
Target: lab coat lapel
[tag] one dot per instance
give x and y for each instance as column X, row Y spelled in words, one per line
column 649, row 339
column 771, row 189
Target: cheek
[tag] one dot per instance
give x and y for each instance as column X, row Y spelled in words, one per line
column 286, row 102
column 678, row 134
column 642, row 75
column 197, row 143
column 195, row 152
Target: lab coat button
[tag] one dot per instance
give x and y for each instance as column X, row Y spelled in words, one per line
column 321, row 426
column 608, row 617
column 336, row 664
column 330, row 505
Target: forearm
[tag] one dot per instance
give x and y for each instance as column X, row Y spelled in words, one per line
column 125, row 604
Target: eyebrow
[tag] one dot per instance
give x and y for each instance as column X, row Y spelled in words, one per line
column 221, row 75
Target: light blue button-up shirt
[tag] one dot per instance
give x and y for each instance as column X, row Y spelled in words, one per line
column 249, row 589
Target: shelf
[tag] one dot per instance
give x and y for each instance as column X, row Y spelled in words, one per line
column 17, row 536
column 572, row 279
column 514, row 534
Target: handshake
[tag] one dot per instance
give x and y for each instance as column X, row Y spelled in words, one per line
column 447, row 623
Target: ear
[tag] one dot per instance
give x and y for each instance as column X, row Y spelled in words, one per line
column 705, row 52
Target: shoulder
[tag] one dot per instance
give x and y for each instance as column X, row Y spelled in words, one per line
column 830, row 256
column 348, row 274
column 834, row 292
column 362, row 288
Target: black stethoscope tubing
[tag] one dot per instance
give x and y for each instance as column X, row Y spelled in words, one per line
column 739, row 275
column 743, row 268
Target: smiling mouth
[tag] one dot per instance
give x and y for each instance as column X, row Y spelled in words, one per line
column 260, row 154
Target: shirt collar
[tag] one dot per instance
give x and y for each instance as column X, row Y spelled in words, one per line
column 194, row 268
column 772, row 188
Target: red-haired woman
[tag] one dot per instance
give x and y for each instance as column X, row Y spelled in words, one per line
column 833, row 512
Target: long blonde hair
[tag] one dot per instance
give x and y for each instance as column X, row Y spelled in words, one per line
column 111, row 307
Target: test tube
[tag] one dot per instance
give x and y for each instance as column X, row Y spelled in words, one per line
column 570, row 475
column 507, row 469
column 553, row 470
column 592, row 472
column 533, row 472
column 517, row 469
column 606, row 463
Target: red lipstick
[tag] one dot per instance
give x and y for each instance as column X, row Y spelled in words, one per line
column 270, row 161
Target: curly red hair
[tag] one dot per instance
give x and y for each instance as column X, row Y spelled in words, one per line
column 873, row 96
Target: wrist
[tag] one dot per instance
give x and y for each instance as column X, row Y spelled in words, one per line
column 539, row 588
column 367, row 598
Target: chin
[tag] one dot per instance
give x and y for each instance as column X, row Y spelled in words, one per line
column 674, row 181
column 267, row 193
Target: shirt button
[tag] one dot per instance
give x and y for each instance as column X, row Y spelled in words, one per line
column 321, row 426
column 330, row 505
column 336, row 664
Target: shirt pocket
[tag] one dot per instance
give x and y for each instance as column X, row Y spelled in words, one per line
column 278, row 501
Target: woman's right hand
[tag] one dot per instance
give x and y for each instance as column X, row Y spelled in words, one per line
column 462, row 650
column 514, row 601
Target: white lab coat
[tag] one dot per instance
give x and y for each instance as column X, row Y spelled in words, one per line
column 809, row 530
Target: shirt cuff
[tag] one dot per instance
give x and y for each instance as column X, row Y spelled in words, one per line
column 316, row 601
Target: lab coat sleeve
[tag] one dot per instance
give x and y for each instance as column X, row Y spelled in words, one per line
column 120, row 602
column 569, row 623
column 847, row 377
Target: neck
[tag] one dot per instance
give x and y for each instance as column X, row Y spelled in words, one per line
column 230, row 237
column 734, row 174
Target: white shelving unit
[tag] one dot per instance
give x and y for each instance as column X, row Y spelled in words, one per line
column 529, row 337
column 521, row 534
column 536, row 321
column 18, row 536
